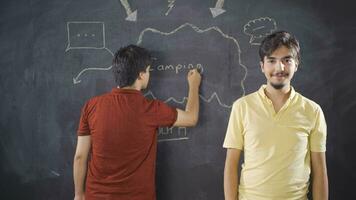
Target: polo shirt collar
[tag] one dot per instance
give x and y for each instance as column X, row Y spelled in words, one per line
column 262, row 93
column 125, row 91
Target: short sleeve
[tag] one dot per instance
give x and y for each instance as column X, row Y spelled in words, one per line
column 83, row 128
column 318, row 133
column 164, row 115
column 234, row 134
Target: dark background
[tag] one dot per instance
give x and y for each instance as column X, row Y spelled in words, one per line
column 40, row 103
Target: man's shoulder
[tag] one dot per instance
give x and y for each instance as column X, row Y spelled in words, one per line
column 246, row 100
column 93, row 101
column 306, row 102
column 99, row 97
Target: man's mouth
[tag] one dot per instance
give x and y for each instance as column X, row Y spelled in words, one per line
column 280, row 75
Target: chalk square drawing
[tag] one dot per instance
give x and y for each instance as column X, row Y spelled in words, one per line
column 86, row 35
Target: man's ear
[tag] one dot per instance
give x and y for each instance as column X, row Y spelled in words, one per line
column 261, row 65
column 140, row 76
column 296, row 66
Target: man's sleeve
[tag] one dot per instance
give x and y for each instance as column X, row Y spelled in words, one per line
column 318, row 133
column 164, row 115
column 83, row 128
column 234, row 134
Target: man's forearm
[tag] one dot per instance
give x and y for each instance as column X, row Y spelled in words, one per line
column 231, row 180
column 192, row 106
column 319, row 176
column 320, row 187
column 79, row 173
column 231, row 183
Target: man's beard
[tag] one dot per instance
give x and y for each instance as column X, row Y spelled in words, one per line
column 278, row 86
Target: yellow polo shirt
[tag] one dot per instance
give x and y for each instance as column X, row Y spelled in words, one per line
column 276, row 146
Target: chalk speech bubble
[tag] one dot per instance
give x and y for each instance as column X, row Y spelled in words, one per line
column 85, row 35
column 259, row 28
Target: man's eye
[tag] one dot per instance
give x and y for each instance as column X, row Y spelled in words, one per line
column 288, row 60
column 271, row 61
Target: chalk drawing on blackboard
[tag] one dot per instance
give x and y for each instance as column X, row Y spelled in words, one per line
column 201, row 31
column 131, row 16
column 172, row 134
column 166, row 134
column 178, row 68
column 86, row 35
column 77, row 80
column 55, row 173
column 207, row 100
column 257, row 29
column 217, row 10
column 170, row 6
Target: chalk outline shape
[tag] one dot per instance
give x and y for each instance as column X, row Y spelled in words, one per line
column 252, row 37
column 214, row 95
column 218, row 9
column 83, row 22
column 198, row 30
column 76, row 79
column 131, row 16
column 88, row 22
column 170, row 6
column 183, row 129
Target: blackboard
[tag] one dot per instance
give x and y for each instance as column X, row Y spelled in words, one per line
column 57, row 54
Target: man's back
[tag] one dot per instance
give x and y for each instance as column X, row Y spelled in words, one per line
column 122, row 125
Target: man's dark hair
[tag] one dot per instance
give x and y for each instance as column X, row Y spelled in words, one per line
column 128, row 62
column 277, row 39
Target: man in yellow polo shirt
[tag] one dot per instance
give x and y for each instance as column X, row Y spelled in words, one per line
column 281, row 133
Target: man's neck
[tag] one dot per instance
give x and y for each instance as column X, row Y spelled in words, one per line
column 133, row 87
column 278, row 95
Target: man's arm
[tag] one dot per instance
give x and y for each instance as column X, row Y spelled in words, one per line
column 80, row 165
column 189, row 117
column 319, row 176
column 231, row 174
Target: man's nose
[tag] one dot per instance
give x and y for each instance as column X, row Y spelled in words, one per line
column 280, row 66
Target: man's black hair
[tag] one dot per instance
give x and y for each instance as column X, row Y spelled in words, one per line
column 277, row 39
column 128, row 62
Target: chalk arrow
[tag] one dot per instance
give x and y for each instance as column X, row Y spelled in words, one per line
column 131, row 16
column 76, row 80
column 218, row 8
column 170, row 6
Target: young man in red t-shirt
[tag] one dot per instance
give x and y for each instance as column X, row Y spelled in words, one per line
column 118, row 131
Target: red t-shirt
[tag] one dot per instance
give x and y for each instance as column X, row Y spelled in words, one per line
column 123, row 128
